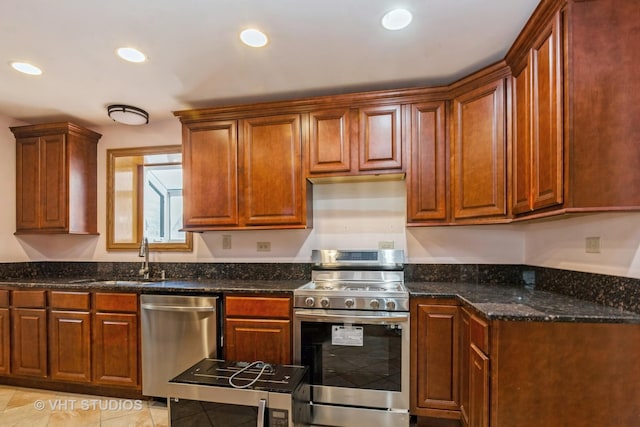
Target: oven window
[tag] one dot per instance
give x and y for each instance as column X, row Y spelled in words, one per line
column 185, row 412
column 353, row 356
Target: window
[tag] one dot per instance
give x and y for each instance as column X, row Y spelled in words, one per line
column 144, row 199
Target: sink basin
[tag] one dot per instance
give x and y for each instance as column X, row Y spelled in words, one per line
column 125, row 282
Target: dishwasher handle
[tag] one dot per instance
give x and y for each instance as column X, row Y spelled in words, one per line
column 182, row 308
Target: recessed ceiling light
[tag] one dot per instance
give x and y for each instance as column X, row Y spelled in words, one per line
column 396, row 19
column 26, row 68
column 130, row 54
column 254, row 38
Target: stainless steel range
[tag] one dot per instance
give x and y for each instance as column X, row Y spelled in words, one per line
column 351, row 327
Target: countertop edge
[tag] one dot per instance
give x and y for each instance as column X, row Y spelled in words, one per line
column 492, row 302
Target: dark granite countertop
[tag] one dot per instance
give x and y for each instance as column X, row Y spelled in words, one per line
column 502, row 302
column 171, row 286
column 494, row 302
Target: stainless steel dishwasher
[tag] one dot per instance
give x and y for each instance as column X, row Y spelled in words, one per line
column 177, row 331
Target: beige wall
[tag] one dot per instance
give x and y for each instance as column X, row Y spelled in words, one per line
column 347, row 215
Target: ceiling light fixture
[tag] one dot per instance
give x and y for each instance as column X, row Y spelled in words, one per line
column 128, row 115
column 396, row 19
column 254, row 38
column 131, row 54
column 26, row 68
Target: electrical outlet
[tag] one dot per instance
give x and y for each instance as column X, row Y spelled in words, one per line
column 226, row 241
column 264, row 246
column 385, row 244
column 592, row 245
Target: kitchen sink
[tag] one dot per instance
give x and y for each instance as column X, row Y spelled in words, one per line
column 125, row 282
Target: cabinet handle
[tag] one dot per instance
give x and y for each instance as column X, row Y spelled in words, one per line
column 320, row 316
column 177, row 308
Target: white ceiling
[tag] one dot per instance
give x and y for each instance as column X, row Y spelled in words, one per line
column 195, row 58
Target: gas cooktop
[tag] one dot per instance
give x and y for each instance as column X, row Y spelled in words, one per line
column 355, row 280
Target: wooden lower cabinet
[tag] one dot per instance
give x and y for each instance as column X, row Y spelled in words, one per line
column 29, row 343
column 258, row 339
column 478, row 415
column 5, row 339
column 474, row 370
column 70, row 336
column 74, row 341
column 564, row 374
column 5, row 333
column 115, row 341
column 434, row 358
column 70, row 346
column 258, row 328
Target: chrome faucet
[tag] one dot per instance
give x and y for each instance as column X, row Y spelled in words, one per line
column 144, row 252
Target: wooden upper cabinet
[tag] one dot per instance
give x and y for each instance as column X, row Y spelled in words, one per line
column 538, row 126
column 478, row 152
column 427, row 172
column 380, row 138
column 244, row 173
column 522, row 159
column 329, row 142
column 274, row 191
column 56, row 174
column 210, row 171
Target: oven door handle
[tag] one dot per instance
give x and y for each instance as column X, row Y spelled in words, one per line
column 262, row 413
column 382, row 318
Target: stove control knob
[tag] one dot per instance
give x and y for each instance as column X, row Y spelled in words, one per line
column 349, row 302
column 391, row 305
column 309, row 302
column 324, row 302
column 374, row 304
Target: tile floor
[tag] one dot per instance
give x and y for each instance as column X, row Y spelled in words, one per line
column 43, row 408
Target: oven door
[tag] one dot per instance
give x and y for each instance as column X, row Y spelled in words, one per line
column 356, row 358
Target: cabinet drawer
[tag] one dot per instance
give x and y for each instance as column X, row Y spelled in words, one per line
column 479, row 333
column 116, row 302
column 61, row 300
column 258, row 307
column 29, row 299
column 4, row 298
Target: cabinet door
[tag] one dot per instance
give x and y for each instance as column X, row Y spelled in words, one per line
column 5, row 337
column 437, row 364
column 329, row 143
column 426, row 185
column 546, row 117
column 380, row 138
column 53, row 184
column 268, row 340
column 478, row 388
column 29, row 345
column 272, row 171
column 478, row 152
column 70, row 346
column 522, row 160
column 465, row 344
column 115, row 349
column 210, row 174
column 27, row 183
